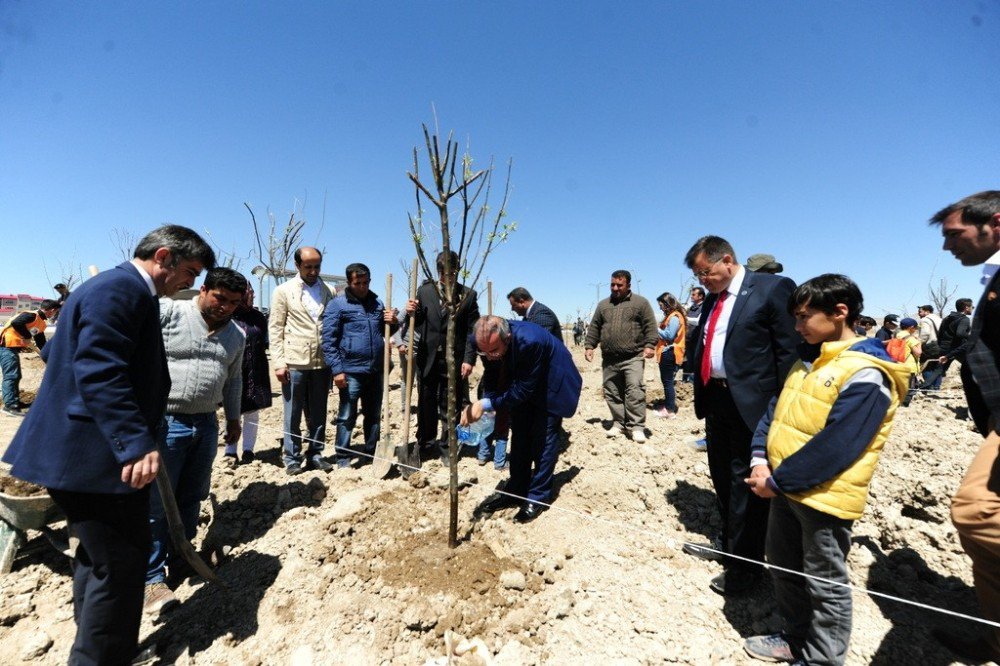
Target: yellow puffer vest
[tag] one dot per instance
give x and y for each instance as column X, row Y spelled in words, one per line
column 802, row 410
column 11, row 338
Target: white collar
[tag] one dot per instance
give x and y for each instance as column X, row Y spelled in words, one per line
column 737, row 284
column 147, row 278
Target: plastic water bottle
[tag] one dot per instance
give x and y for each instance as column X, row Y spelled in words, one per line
column 474, row 433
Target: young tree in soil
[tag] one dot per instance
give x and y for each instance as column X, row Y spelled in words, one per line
column 276, row 249
column 454, row 187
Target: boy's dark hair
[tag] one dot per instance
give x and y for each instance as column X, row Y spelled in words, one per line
column 519, row 294
column 49, row 304
column 622, row 273
column 824, row 292
column 714, row 248
column 977, row 209
column 183, row 244
column 225, row 278
column 962, row 303
column 357, row 269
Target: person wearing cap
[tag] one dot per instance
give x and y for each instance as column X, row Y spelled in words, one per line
column 889, row 326
column 914, row 348
column 764, row 263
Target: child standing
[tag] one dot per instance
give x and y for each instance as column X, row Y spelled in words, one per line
column 814, row 453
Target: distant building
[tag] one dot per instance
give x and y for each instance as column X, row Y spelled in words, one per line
column 11, row 304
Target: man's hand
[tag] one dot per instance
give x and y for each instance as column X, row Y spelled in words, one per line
column 758, row 481
column 340, row 380
column 647, row 352
column 389, row 316
column 140, row 472
column 472, row 413
column 411, row 306
column 233, row 431
column 589, row 355
column 466, row 370
column 282, row 374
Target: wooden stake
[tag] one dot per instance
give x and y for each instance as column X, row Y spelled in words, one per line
column 382, row 463
column 409, row 455
column 489, row 297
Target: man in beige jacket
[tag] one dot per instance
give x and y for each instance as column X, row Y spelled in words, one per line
column 294, row 328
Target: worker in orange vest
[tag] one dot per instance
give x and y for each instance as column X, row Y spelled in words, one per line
column 25, row 330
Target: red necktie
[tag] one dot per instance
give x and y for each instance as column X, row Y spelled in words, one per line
column 706, row 355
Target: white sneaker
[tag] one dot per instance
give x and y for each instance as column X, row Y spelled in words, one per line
column 616, row 430
column 639, row 436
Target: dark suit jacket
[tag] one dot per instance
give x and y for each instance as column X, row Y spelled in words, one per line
column 981, row 371
column 760, row 344
column 542, row 373
column 104, row 391
column 543, row 316
column 432, row 327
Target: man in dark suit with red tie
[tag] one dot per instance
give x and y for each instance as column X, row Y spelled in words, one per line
column 744, row 347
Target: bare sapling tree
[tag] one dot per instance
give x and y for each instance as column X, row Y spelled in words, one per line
column 124, row 240
column 455, row 187
column 941, row 294
column 277, row 245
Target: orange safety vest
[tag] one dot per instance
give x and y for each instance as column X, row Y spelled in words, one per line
column 11, row 338
column 679, row 341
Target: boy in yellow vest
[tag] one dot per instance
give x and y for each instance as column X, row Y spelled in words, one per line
column 814, row 453
column 25, row 330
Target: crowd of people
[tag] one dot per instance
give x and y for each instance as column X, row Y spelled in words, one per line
column 797, row 389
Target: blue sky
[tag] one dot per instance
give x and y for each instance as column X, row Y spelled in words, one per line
column 823, row 133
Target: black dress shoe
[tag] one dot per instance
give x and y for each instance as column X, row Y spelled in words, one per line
column 248, row 457
column 734, row 583
column 528, row 513
column 973, row 649
column 320, row 465
column 494, row 503
column 703, row 553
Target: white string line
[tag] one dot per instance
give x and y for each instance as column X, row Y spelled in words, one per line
column 669, row 541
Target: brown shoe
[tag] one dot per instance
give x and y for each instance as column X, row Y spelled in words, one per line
column 159, row 598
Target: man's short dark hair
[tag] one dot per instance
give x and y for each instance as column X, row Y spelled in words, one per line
column 357, row 269
column 183, row 243
column 963, row 303
column 225, row 278
column 441, row 258
column 824, row 292
column 519, row 294
column 926, row 308
column 297, row 255
column 977, row 209
column 714, row 248
column 49, row 304
column 701, row 292
column 622, row 273
column 866, row 321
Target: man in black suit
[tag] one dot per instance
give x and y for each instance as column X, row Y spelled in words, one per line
column 531, row 310
column 90, row 437
column 430, row 316
column 971, row 230
column 744, row 347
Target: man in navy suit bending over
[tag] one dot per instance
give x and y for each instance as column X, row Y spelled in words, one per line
column 544, row 389
column 744, row 348
column 90, row 437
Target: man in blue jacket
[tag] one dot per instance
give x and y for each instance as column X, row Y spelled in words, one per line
column 90, row 437
column 544, row 389
column 353, row 348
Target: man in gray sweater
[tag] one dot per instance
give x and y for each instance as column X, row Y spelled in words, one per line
column 625, row 327
column 205, row 358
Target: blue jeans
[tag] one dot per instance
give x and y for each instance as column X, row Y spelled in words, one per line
column 668, row 372
column 187, row 445
column 499, row 454
column 367, row 389
column 305, row 394
column 10, row 365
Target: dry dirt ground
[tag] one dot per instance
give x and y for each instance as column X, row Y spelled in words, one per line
column 340, row 568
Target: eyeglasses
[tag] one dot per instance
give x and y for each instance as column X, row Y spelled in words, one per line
column 705, row 272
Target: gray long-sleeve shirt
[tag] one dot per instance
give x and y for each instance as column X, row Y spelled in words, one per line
column 206, row 367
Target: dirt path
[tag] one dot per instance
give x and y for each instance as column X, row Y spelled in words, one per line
column 338, row 568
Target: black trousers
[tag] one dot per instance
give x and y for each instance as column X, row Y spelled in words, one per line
column 432, row 403
column 744, row 515
column 109, row 572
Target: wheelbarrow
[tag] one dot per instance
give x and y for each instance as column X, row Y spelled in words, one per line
column 20, row 514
